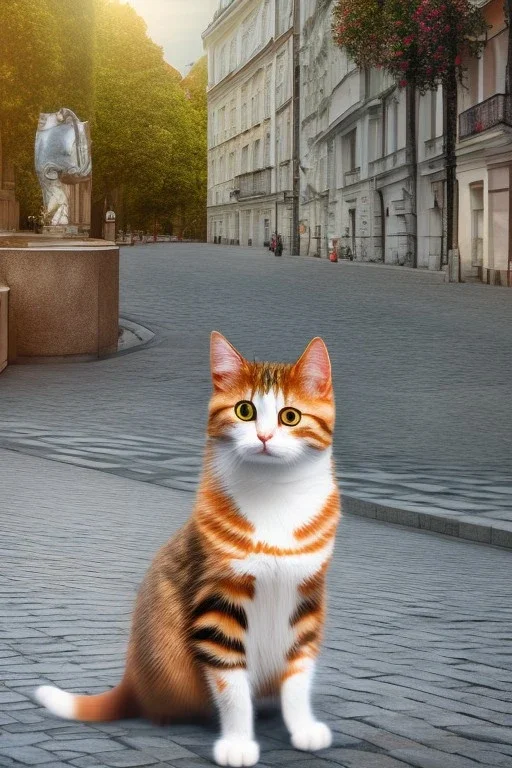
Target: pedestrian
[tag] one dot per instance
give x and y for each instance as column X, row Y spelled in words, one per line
column 279, row 246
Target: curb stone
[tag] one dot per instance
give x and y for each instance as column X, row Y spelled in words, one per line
column 133, row 335
column 467, row 527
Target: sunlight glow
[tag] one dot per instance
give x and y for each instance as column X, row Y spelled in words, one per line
column 177, row 26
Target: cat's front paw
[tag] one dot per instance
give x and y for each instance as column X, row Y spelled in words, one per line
column 312, row 737
column 236, row 752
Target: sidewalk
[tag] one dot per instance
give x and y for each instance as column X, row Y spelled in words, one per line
column 447, row 499
column 416, row 668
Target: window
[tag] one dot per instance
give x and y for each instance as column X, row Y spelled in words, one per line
column 232, row 117
column 232, row 55
column 264, row 23
column 245, row 159
column 266, row 151
column 267, row 91
column 433, row 114
column 284, row 18
column 331, row 166
column 351, row 150
column 231, row 166
column 244, row 108
column 221, row 169
column 255, row 108
column 288, row 137
column 223, row 62
column 373, row 139
column 249, row 41
column 256, row 151
column 280, row 78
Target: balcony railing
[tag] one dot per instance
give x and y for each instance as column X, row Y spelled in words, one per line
column 352, row 177
column 254, row 184
column 388, row 162
column 496, row 110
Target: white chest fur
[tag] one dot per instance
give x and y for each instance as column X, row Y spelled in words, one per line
column 277, row 504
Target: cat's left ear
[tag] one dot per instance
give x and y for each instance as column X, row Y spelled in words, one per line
column 226, row 363
column 314, row 368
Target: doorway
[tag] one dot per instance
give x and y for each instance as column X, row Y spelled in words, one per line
column 477, row 225
column 352, row 230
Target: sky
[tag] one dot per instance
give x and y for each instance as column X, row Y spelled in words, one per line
column 177, row 26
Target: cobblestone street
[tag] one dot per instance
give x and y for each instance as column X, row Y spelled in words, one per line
column 417, row 666
column 422, row 375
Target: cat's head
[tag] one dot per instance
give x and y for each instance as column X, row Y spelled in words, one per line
column 271, row 412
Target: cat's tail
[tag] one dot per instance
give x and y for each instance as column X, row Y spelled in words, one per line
column 111, row 705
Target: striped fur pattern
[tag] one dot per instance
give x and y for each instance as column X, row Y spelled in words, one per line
column 233, row 606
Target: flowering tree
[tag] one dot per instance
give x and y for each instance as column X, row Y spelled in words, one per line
column 422, row 44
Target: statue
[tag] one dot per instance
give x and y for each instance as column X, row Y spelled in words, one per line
column 62, row 160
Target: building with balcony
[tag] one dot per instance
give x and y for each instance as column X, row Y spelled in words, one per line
column 484, row 158
column 357, row 181
column 250, row 121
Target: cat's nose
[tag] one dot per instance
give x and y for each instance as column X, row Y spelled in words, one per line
column 266, row 437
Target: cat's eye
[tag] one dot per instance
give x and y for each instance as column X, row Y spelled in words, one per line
column 290, row 417
column 245, row 410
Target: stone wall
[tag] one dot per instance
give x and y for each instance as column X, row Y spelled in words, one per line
column 4, row 296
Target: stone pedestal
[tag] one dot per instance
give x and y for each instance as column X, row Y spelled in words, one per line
column 64, row 297
column 4, row 327
column 110, row 231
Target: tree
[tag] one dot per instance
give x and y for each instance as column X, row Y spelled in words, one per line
column 30, row 69
column 194, row 213
column 143, row 129
column 422, row 44
column 148, row 128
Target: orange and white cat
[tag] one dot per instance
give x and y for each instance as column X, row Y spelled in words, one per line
column 232, row 607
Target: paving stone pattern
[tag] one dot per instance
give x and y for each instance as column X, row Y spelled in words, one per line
column 417, row 661
column 176, row 463
column 422, row 375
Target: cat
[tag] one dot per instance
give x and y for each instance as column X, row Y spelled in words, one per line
column 233, row 606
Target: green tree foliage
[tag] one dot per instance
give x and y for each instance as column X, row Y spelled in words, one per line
column 148, row 124
column 76, row 35
column 194, row 211
column 31, row 65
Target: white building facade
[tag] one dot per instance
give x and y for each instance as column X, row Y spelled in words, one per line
column 363, row 182
column 359, row 176
column 250, row 106
column 484, row 159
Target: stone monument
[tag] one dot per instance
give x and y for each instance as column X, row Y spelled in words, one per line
column 62, row 285
column 64, row 168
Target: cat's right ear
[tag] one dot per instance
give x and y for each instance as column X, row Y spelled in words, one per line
column 226, row 363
